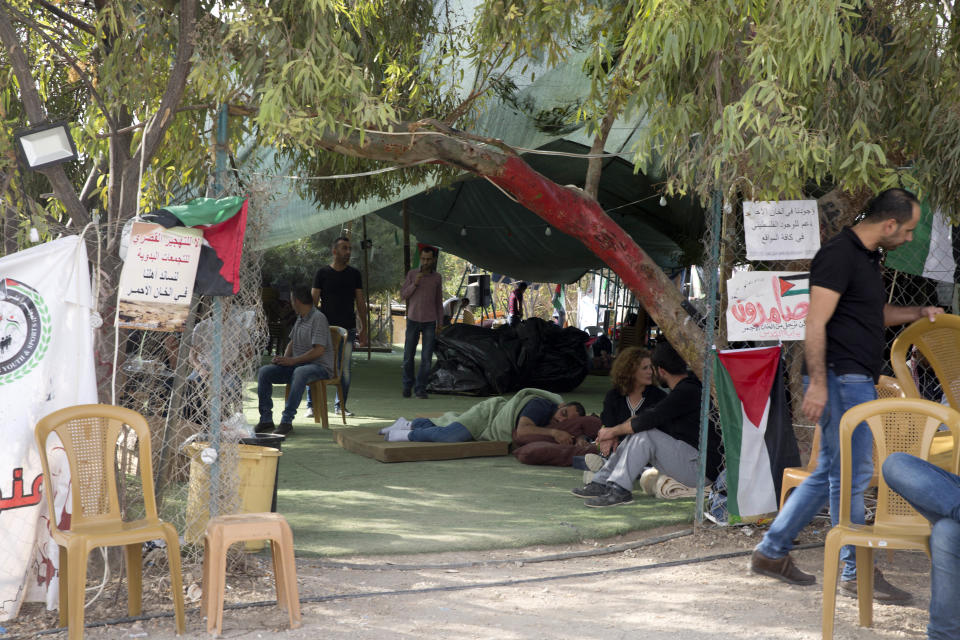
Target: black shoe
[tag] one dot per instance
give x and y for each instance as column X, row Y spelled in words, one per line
column 406, row 393
column 590, row 490
column 615, row 495
column 883, row 591
column 283, row 429
column 264, row 426
column 422, row 395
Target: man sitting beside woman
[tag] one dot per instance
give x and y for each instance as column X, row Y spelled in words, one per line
column 665, row 436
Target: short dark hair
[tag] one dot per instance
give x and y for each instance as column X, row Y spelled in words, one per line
column 301, row 293
column 892, row 203
column 576, row 405
column 464, row 300
column 521, row 285
column 667, row 358
column 338, row 239
column 430, row 249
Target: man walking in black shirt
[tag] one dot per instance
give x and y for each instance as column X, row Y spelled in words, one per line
column 665, row 437
column 844, row 354
column 337, row 287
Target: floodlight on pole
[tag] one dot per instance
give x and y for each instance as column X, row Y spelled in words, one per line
column 45, row 145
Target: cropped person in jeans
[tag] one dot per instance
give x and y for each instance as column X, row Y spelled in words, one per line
column 844, row 354
column 423, row 291
column 935, row 493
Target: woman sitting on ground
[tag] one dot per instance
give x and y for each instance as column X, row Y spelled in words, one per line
column 633, row 389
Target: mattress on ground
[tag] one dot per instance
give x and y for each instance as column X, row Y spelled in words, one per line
column 365, row 441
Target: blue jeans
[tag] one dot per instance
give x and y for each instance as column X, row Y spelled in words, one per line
column 344, row 373
column 298, row 377
column 935, row 493
column 414, row 331
column 425, row 431
column 823, row 485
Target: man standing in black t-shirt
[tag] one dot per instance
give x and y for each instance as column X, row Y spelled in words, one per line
column 337, row 287
column 844, row 353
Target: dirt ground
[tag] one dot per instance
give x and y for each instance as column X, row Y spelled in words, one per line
column 673, row 588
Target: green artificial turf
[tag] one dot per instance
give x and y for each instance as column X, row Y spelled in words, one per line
column 339, row 503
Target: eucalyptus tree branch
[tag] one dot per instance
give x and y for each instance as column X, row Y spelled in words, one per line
column 37, row 114
column 95, row 172
column 176, row 82
column 141, row 125
column 77, row 22
column 455, row 115
column 73, row 64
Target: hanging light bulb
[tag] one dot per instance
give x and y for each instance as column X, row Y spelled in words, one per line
column 663, row 201
column 547, row 231
column 463, row 231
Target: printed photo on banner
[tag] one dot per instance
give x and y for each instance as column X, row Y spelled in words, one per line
column 781, row 230
column 767, row 305
column 156, row 283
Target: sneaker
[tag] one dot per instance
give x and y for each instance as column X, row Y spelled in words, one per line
column 883, row 591
column 309, row 413
column 336, row 411
column 406, row 393
column 590, row 490
column 594, row 462
column 615, row 495
column 283, row 429
column 781, row 569
column 265, row 426
column 422, row 395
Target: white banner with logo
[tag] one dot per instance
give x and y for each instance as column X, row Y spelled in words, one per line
column 46, row 363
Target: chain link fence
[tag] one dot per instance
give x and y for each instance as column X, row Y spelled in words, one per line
column 921, row 273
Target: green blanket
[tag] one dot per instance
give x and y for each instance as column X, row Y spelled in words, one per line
column 495, row 418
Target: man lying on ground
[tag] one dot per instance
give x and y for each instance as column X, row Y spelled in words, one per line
column 531, row 412
column 665, row 437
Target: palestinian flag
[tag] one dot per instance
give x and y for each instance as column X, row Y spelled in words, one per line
column 224, row 223
column 757, row 429
column 933, row 251
column 558, row 299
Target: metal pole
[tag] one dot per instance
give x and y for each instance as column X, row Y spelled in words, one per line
column 406, row 237
column 216, row 361
column 711, row 273
column 366, row 284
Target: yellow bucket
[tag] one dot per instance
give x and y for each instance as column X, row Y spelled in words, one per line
column 257, row 470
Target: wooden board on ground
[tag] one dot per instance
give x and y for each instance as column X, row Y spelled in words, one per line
column 365, row 441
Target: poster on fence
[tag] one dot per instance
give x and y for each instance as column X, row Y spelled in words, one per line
column 767, row 305
column 156, row 284
column 46, row 363
column 781, row 230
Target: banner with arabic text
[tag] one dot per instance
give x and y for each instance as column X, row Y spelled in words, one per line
column 46, row 363
column 156, row 283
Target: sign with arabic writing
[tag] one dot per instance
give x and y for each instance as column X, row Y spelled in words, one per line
column 46, row 363
column 767, row 305
column 782, row 230
column 156, row 283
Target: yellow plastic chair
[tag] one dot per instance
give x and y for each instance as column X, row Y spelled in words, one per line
column 89, row 435
column 939, row 342
column 897, row 424
column 318, row 388
column 887, row 387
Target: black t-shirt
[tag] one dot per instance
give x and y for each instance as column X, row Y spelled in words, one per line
column 338, row 294
column 678, row 416
column 855, row 330
column 539, row 410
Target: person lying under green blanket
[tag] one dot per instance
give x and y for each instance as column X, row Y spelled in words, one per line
column 531, row 412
